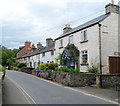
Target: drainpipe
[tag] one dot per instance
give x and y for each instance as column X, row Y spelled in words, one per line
column 100, row 54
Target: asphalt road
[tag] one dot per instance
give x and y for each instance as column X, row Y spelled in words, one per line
column 22, row 88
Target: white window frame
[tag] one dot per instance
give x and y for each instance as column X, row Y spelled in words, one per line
column 71, row 40
column 84, row 56
column 84, row 36
column 61, row 43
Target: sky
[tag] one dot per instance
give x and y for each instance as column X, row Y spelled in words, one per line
column 37, row 20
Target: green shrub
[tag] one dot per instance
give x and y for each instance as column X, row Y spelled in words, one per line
column 20, row 65
column 2, row 69
column 93, row 69
column 76, row 71
column 27, row 68
column 47, row 66
column 52, row 66
column 14, row 68
column 66, row 69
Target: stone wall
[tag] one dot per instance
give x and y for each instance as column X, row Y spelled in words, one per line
column 68, row 79
column 111, row 81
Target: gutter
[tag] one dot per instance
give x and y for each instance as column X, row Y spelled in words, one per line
column 100, row 54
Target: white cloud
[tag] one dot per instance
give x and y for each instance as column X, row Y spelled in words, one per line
column 35, row 20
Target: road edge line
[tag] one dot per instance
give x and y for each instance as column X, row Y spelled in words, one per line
column 85, row 93
column 23, row 91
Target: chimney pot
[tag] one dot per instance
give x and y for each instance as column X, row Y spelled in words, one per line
column 67, row 28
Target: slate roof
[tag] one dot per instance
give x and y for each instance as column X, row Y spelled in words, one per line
column 85, row 25
column 38, row 51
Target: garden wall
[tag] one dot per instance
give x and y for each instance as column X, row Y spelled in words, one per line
column 111, row 81
column 68, row 79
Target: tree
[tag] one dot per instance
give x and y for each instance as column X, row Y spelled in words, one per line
column 7, row 56
column 75, row 53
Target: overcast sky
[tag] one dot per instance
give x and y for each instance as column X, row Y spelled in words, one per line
column 36, row 20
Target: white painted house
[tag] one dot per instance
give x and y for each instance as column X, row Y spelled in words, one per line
column 96, row 40
column 35, row 56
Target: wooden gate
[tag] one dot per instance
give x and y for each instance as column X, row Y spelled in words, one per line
column 114, row 64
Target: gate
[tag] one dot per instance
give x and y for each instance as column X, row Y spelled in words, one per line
column 114, row 64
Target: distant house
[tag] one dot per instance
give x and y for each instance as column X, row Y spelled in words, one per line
column 96, row 40
column 35, row 56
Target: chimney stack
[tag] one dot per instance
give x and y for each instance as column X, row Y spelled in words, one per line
column 112, row 8
column 33, row 46
column 67, row 28
column 39, row 45
column 27, row 44
column 49, row 42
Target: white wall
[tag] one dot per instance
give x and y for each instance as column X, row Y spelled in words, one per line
column 47, row 57
column 109, row 39
column 92, row 46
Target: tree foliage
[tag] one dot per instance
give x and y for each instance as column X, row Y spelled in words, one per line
column 7, row 56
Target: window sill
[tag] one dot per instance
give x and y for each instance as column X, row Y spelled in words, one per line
column 84, row 41
column 84, row 64
column 60, row 47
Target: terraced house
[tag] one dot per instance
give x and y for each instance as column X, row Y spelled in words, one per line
column 37, row 55
column 96, row 40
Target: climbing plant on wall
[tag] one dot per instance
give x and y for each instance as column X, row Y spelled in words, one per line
column 74, row 52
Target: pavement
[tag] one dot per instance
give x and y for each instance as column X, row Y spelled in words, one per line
column 1, row 74
column 34, row 90
column 106, row 94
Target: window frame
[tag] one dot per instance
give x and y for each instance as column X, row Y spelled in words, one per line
column 61, row 43
column 84, row 36
column 52, row 52
column 84, row 56
column 70, row 39
column 43, row 54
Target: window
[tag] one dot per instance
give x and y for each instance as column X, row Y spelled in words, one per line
column 47, row 61
column 84, row 57
column 105, row 29
column 84, row 36
column 43, row 54
column 52, row 52
column 61, row 43
column 71, row 39
column 52, row 62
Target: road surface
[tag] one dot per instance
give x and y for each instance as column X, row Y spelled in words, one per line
column 22, row 88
